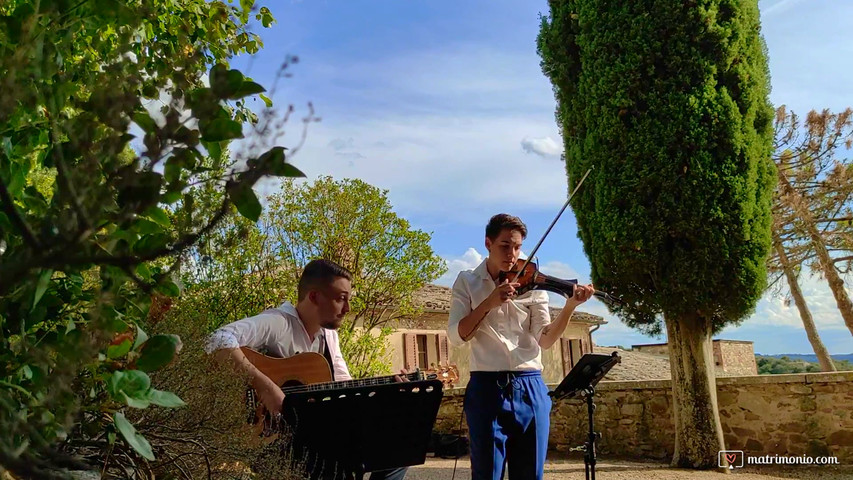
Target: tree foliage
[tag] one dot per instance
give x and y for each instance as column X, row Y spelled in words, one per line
column 783, row 365
column 813, row 204
column 667, row 103
column 92, row 221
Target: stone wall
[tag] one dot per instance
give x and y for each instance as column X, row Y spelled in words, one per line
column 798, row 414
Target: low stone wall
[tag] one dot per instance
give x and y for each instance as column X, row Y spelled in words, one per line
column 800, row 414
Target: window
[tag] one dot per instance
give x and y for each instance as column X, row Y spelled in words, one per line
column 423, row 354
column 424, row 350
column 572, row 350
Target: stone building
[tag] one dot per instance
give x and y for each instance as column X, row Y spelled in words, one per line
column 731, row 357
column 421, row 341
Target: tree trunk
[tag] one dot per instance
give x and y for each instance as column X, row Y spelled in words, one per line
column 827, row 266
column 823, row 357
column 698, row 432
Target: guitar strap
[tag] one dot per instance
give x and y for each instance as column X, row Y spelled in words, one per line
column 328, row 354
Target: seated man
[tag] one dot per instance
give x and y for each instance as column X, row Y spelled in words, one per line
column 310, row 326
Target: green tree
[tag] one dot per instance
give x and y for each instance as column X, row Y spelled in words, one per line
column 90, row 226
column 668, row 102
column 245, row 268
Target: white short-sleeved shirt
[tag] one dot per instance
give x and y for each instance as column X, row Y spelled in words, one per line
column 281, row 333
column 508, row 338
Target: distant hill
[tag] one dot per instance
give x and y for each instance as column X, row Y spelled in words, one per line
column 809, row 357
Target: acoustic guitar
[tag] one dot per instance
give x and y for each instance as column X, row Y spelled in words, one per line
column 310, row 371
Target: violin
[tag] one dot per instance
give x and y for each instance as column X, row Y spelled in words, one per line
column 530, row 278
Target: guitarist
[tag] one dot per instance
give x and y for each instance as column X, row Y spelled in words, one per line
column 324, row 293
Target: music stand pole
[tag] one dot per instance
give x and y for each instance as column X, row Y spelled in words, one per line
column 589, row 447
column 583, row 377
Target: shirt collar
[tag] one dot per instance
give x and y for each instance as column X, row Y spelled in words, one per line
column 482, row 270
column 289, row 309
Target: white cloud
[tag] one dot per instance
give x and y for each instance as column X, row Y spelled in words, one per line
column 440, row 133
column 544, row 147
column 339, row 144
column 448, row 168
column 559, row 269
column 467, row 261
column 774, row 310
column 778, row 7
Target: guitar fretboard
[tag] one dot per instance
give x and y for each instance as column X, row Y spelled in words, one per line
column 364, row 382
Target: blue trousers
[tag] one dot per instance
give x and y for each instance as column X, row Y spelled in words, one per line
column 508, row 416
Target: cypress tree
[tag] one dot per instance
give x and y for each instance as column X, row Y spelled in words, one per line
column 668, row 102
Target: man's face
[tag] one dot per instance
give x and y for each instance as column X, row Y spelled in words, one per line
column 333, row 303
column 504, row 249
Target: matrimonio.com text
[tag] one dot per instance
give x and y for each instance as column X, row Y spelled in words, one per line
column 737, row 459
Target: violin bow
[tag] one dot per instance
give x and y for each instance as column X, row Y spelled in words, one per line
column 527, row 260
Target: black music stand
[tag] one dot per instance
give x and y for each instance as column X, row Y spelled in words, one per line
column 363, row 429
column 583, row 377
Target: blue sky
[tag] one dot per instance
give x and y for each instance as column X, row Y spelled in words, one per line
column 444, row 105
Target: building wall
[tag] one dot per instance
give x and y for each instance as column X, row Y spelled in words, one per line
column 433, row 325
column 731, row 357
column 738, row 358
column 800, row 414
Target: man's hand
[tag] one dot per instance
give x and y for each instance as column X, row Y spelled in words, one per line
column 271, row 396
column 503, row 293
column 581, row 294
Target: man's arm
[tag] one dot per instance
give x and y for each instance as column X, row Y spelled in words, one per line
column 467, row 326
column 553, row 331
column 270, row 394
column 253, row 332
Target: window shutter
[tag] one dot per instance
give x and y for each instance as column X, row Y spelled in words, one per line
column 566, row 350
column 410, row 351
column 443, row 349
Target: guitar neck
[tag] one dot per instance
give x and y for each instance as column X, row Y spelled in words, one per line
column 362, row 382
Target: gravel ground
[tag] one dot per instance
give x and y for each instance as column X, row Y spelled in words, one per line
column 442, row 469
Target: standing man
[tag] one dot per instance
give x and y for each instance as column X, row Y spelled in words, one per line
column 324, row 292
column 506, row 402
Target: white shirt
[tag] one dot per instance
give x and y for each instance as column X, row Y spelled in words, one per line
column 508, row 337
column 281, row 333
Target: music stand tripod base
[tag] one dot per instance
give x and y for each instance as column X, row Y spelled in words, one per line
column 581, row 380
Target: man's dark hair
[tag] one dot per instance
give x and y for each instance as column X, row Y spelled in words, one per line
column 320, row 273
column 504, row 221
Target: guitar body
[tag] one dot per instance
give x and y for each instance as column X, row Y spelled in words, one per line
column 309, row 371
column 300, row 369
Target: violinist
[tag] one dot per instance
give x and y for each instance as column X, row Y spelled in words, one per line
column 507, row 406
